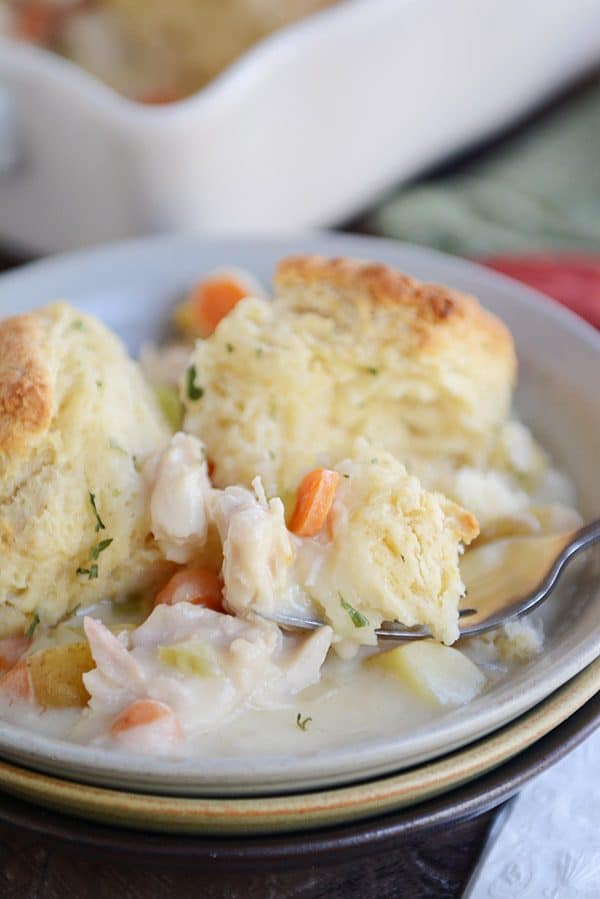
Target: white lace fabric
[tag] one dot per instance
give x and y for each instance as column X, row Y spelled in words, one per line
column 549, row 847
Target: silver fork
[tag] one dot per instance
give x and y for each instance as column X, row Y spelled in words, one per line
column 504, row 579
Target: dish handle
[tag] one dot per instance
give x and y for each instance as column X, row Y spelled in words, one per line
column 9, row 141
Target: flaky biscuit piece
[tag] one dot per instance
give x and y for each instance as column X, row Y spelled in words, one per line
column 393, row 552
column 349, row 349
column 357, row 293
column 76, row 417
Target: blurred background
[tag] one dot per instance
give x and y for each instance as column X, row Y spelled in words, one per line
column 467, row 125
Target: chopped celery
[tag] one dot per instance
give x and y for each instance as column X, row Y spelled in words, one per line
column 193, row 657
column 171, row 405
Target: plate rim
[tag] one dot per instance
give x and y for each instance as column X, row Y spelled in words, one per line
column 305, row 811
column 320, row 847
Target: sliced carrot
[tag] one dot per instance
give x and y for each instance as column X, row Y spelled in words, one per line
column 17, row 683
column 11, row 650
column 143, row 712
column 38, row 23
column 314, row 498
column 214, row 298
column 161, row 97
column 200, row 586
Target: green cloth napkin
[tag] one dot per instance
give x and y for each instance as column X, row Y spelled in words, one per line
column 538, row 191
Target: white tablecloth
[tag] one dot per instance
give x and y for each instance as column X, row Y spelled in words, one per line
column 549, row 846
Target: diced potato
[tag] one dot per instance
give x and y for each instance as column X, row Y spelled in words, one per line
column 194, row 657
column 433, row 671
column 56, row 675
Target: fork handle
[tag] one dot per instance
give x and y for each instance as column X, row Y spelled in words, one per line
column 584, row 537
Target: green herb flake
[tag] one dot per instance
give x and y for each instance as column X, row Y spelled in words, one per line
column 194, row 391
column 78, row 325
column 301, row 722
column 345, row 475
column 117, row 446
column 99, row 384
column 34, row 623
column 374, row 461
column 372, row 370
column 100, row 526
column 357, row 619
column 91, row 572
column 229, row 347
column 271, row 454
column 99, row 548
column 258, row 352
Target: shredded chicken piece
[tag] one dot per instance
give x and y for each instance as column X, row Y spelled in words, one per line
column 214, row 665
column 304, row 668
column 117, row 677
column 180, row 498
column 257, row 550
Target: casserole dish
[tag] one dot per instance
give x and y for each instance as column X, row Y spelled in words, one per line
column 303, row 130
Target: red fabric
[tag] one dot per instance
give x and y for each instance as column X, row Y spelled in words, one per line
column 573, row 280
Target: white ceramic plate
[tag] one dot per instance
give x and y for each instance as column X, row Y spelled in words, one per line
column 132, row 286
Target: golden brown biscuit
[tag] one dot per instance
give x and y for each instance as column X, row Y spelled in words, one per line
column 25, row 388
column 76, row 417
column 357, row 293
column 349, row 349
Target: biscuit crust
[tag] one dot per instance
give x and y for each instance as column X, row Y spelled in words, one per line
column 25, row 384
column 371, row 287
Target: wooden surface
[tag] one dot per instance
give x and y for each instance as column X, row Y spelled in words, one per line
column 436, row 866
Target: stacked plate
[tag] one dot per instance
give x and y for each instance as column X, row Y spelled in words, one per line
column 132, row 287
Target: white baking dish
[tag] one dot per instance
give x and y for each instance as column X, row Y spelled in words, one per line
column 303, row 130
